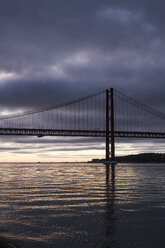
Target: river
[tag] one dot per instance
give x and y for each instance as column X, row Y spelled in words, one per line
column 81, row 205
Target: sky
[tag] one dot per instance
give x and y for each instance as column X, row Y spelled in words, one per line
column 53, row 51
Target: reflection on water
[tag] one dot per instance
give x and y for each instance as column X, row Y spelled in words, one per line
column 110, row 205
column 84, row 205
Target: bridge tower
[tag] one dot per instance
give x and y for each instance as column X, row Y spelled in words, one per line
column 110, row 127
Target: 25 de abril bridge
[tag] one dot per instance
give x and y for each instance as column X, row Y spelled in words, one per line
column 108, row 114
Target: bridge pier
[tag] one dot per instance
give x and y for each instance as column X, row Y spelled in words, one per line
column 107, row 127
column 110, row 120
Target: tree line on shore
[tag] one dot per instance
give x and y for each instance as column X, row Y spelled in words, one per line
column 137, row 158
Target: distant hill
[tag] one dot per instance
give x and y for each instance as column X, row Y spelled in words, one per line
column 138, row 158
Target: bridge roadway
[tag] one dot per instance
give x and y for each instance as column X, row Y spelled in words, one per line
column 82, row 133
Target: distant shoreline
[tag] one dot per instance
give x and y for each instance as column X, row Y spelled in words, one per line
column 132, row 158
column 137, row 158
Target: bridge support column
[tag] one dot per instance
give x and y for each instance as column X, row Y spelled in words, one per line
column 110, row 120
column 107, row 126
column 113, row 162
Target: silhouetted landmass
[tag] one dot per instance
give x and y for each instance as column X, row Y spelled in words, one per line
column 138, row 158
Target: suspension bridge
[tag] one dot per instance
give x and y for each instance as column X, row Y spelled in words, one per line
column 108, row 114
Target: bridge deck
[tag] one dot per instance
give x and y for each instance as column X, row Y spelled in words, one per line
column 82, row 133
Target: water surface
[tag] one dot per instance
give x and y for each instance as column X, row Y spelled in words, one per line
column 83, row 205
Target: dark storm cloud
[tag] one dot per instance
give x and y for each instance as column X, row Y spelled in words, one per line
column 76, row 47
column 34, row 93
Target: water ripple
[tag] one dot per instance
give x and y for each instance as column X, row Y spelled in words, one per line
column 84, row 205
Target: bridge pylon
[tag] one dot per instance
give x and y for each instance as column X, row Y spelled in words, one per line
column 110, row 135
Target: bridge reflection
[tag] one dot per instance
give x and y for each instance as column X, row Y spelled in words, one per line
column 110, row 218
